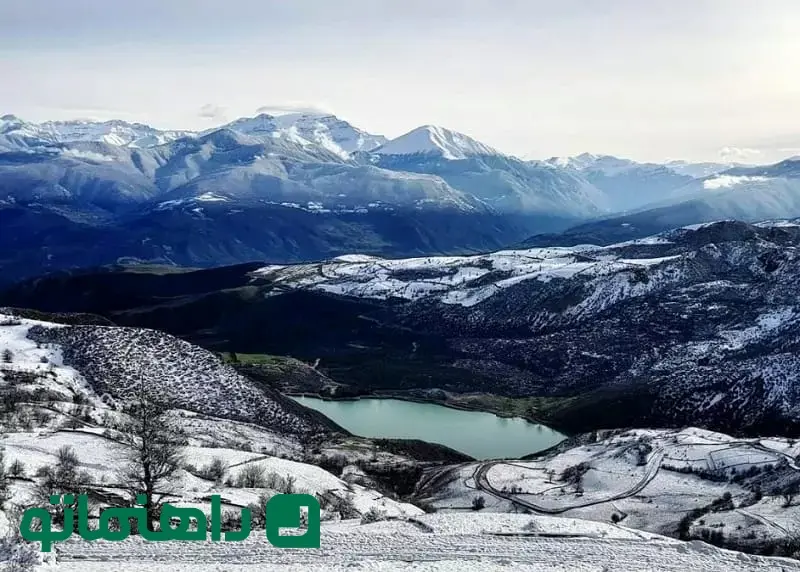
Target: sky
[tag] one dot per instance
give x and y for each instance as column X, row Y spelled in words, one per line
column 700, row 80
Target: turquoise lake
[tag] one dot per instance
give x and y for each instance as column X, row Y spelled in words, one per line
column 480, row 435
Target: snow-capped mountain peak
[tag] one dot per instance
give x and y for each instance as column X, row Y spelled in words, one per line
column 8, row 120
column 327, row 131
column 435, row 140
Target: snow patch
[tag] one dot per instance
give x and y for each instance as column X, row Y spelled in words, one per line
column 728, row 181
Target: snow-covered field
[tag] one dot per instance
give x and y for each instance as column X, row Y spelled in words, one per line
column 434, row 542
column 645, row 479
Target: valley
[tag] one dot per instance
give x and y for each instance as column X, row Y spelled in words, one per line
column 694, row 326
column 518, row 357
column 67, row 382
column 399, row 286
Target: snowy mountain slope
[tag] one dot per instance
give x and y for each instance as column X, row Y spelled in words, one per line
column 17, row 132
column 749, row 194
column 57, row 406
column 465, row 281
column 673, row 482
column 610, row 165
column 114, row 132
column 327, row 131
column 433, row 140
column 670, row 321
column 86, row 175
column 117, row 361
column 627, row 184
column 644, row 332
column 700, row 170
column 49, row 406
column 607, row 163
column 508, row 185
column 235, row 166
column 402, row 534
column 224, row 164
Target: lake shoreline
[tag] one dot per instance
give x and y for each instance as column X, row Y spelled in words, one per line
column 444, row 403
column 472, row 431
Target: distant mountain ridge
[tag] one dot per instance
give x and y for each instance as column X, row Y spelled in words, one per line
column 305, row 186
column 749, row 194
column 15, row 133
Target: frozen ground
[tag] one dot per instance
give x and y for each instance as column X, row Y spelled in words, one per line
column 648, row 480
column 437, row 542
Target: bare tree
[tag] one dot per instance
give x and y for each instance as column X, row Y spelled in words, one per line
column 63, row 477
column 5, row 493
column 788, row 491
column 152, row 452
column 251, row 477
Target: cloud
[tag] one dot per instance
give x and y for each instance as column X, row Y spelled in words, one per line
column 739, row 154
column 292, row 107
column 765, row 154
column 211, row 111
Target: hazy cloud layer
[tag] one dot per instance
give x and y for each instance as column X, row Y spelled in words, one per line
column 213, row 112
column 648, row 80
column 277, row 108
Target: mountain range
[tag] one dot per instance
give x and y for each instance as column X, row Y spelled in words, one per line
column 303, row 187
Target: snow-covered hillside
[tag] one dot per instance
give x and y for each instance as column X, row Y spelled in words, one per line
column 117, row 362
column 700, row 170
column 463, row 280
column 49, row 407
column 599, row 502
column 443, row 543
column 434, row 140
column 687, row 482
column 701, row 321
column 627, row 184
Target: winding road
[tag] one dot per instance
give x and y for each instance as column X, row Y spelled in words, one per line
column 482, row 483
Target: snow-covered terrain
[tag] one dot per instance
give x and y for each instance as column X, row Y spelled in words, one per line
column 435, row 140
column 712, row 308
column 63, row 386
column 627, row 184
column 114, row 132
column 611, row 165
column 649, row 480
column 327, row 131
column 49, row 406
column 700, row 170
column 445, row 543
column 117, row 361
column 453, row 280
